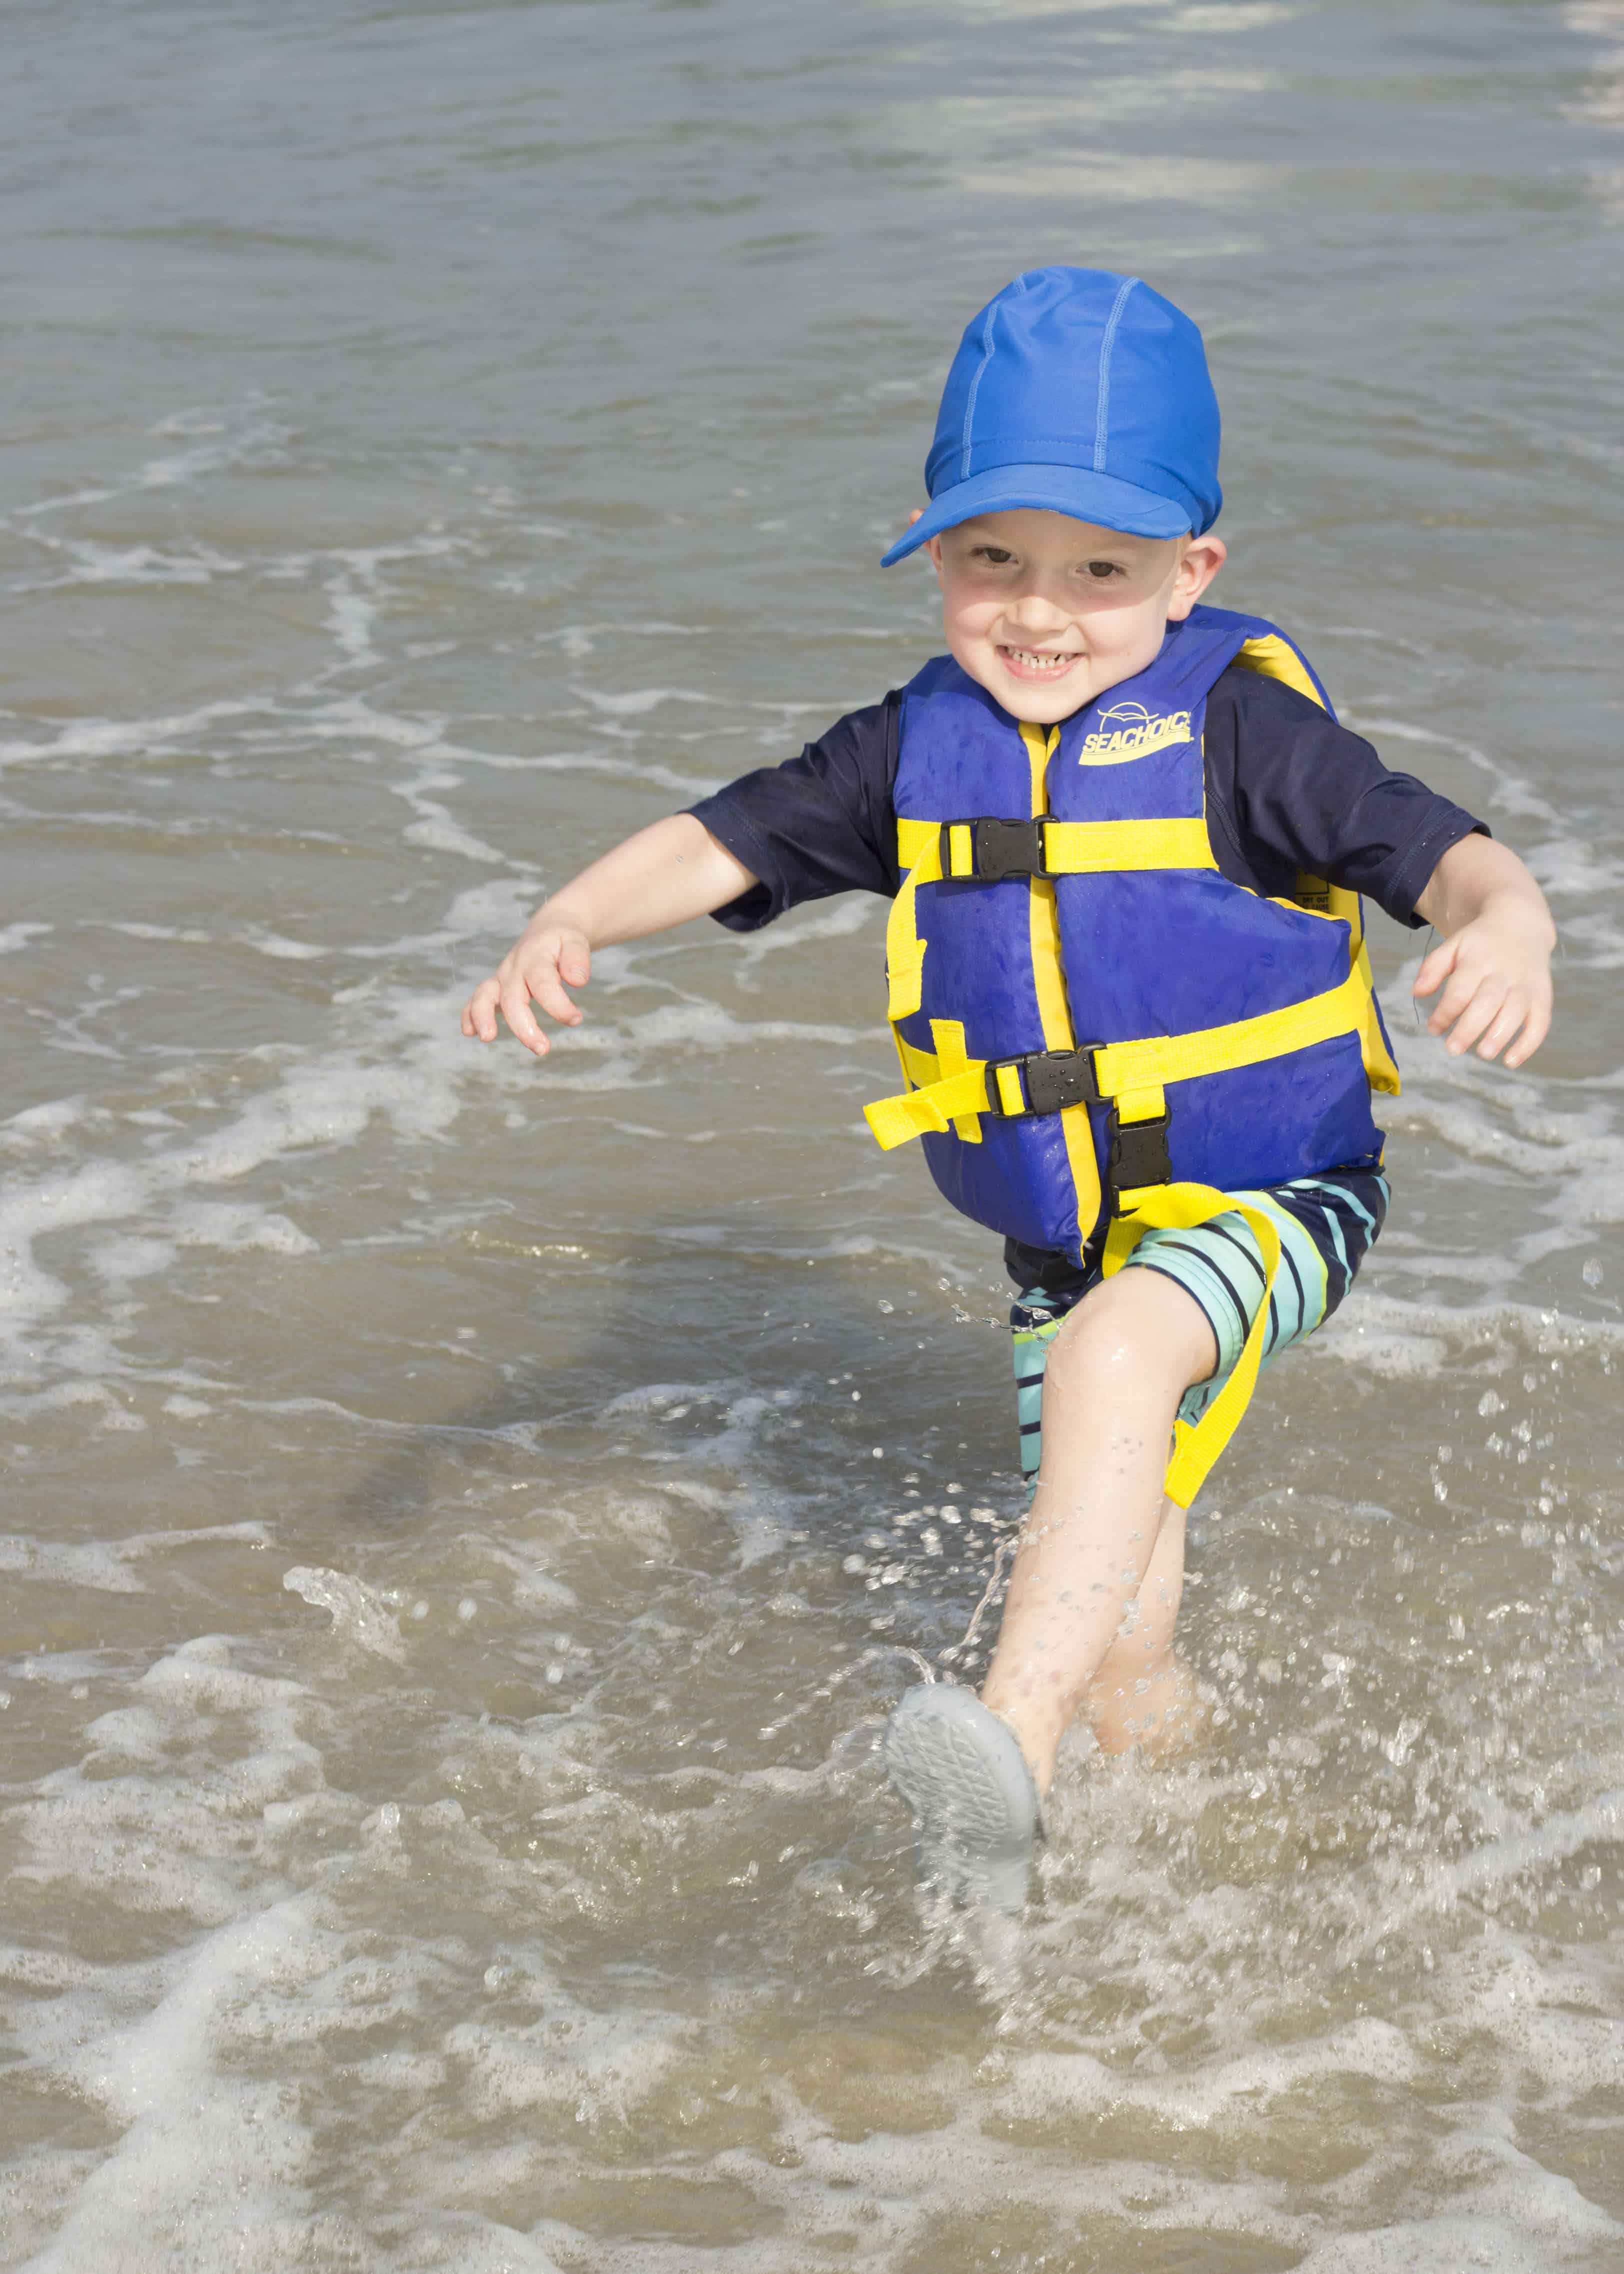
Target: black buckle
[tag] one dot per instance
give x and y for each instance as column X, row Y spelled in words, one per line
column 998, row 849
column 1140, row 1155
column 1050, row 1081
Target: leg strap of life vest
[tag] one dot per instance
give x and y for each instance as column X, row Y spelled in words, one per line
column 1181, row 1208
column 1111, row 1070
column 988, row 848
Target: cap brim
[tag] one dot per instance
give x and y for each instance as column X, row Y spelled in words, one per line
column 1072, row 490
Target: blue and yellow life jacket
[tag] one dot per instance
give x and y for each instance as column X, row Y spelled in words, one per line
column 1101, row 1033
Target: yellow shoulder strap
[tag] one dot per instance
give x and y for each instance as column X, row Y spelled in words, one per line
column 1273, row 657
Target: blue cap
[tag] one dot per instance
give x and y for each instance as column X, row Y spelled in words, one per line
column 1081, row 392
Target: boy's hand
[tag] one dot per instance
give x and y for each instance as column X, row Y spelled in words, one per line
column 551, row 955
column 1495, row 965
column 668, row 873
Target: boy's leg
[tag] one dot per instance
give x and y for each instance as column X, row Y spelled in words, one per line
column 1096, row 1585
column 1116, row 1374
column 1143, row 1695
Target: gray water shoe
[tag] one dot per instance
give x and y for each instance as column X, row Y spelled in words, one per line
column 961, row 1771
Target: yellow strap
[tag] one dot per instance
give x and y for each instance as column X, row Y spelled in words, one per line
column 1378, row 1063
column 951, row 1056
column 904, row 950
column 1181, row 1208
column 1010, row 1097
column 1273, row 657
column 1125, row 1067
column 931, row 1105
column 1073, row 848
column 1244, row 1042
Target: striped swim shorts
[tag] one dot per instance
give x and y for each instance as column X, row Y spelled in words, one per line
column 1327, row 1225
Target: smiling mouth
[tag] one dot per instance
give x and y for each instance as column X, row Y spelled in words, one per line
column 1031, row 663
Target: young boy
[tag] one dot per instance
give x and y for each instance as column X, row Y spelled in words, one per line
column 1125, row 840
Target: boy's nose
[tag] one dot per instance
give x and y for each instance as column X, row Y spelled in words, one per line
column 1033, row 611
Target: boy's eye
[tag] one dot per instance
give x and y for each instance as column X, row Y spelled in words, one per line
column 1101, row 569
column 994, row 556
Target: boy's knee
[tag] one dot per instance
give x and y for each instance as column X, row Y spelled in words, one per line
column 1135, row 1325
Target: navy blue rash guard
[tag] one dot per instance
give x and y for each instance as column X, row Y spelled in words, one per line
column 1287, row 789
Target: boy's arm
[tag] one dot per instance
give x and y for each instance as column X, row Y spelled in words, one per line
column 1495, row 957
column 1292, row 792
column 667, row 874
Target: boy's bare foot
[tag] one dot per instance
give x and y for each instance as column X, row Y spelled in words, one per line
column 1157, row 1715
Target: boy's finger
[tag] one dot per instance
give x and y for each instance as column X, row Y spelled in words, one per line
column 1537, row 1026
column 479, row 1015
column 1484, row 1007
column 545, row 985
column 574, row 962
column 1435, row 968
column 516, row 1010
column 1504, row 1026
column 1457, row 998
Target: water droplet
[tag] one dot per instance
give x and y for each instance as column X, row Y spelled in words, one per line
column 1490, row 1402
column 1592, row 1273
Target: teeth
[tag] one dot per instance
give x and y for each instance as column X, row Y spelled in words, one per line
column 1041, row 662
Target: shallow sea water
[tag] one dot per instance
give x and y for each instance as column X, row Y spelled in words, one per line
column 468, row 1521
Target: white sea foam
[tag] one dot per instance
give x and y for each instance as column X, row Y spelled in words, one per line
column 280, row 949
column 580, row 640
column 236, row 1229
column 104, row 1564
column 465, row 2242
column 1510, row 793
column 122, row 738
column 359, row 1616
column 218, row 448
column 86, row 562
column 637, row 702
column 15, row 936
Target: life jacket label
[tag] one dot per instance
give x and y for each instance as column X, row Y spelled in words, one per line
column 1129, row 731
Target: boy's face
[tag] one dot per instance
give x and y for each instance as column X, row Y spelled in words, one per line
column 1046, row 612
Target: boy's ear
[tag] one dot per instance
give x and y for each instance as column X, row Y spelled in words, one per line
column 1200, row 563
column 933, row 544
